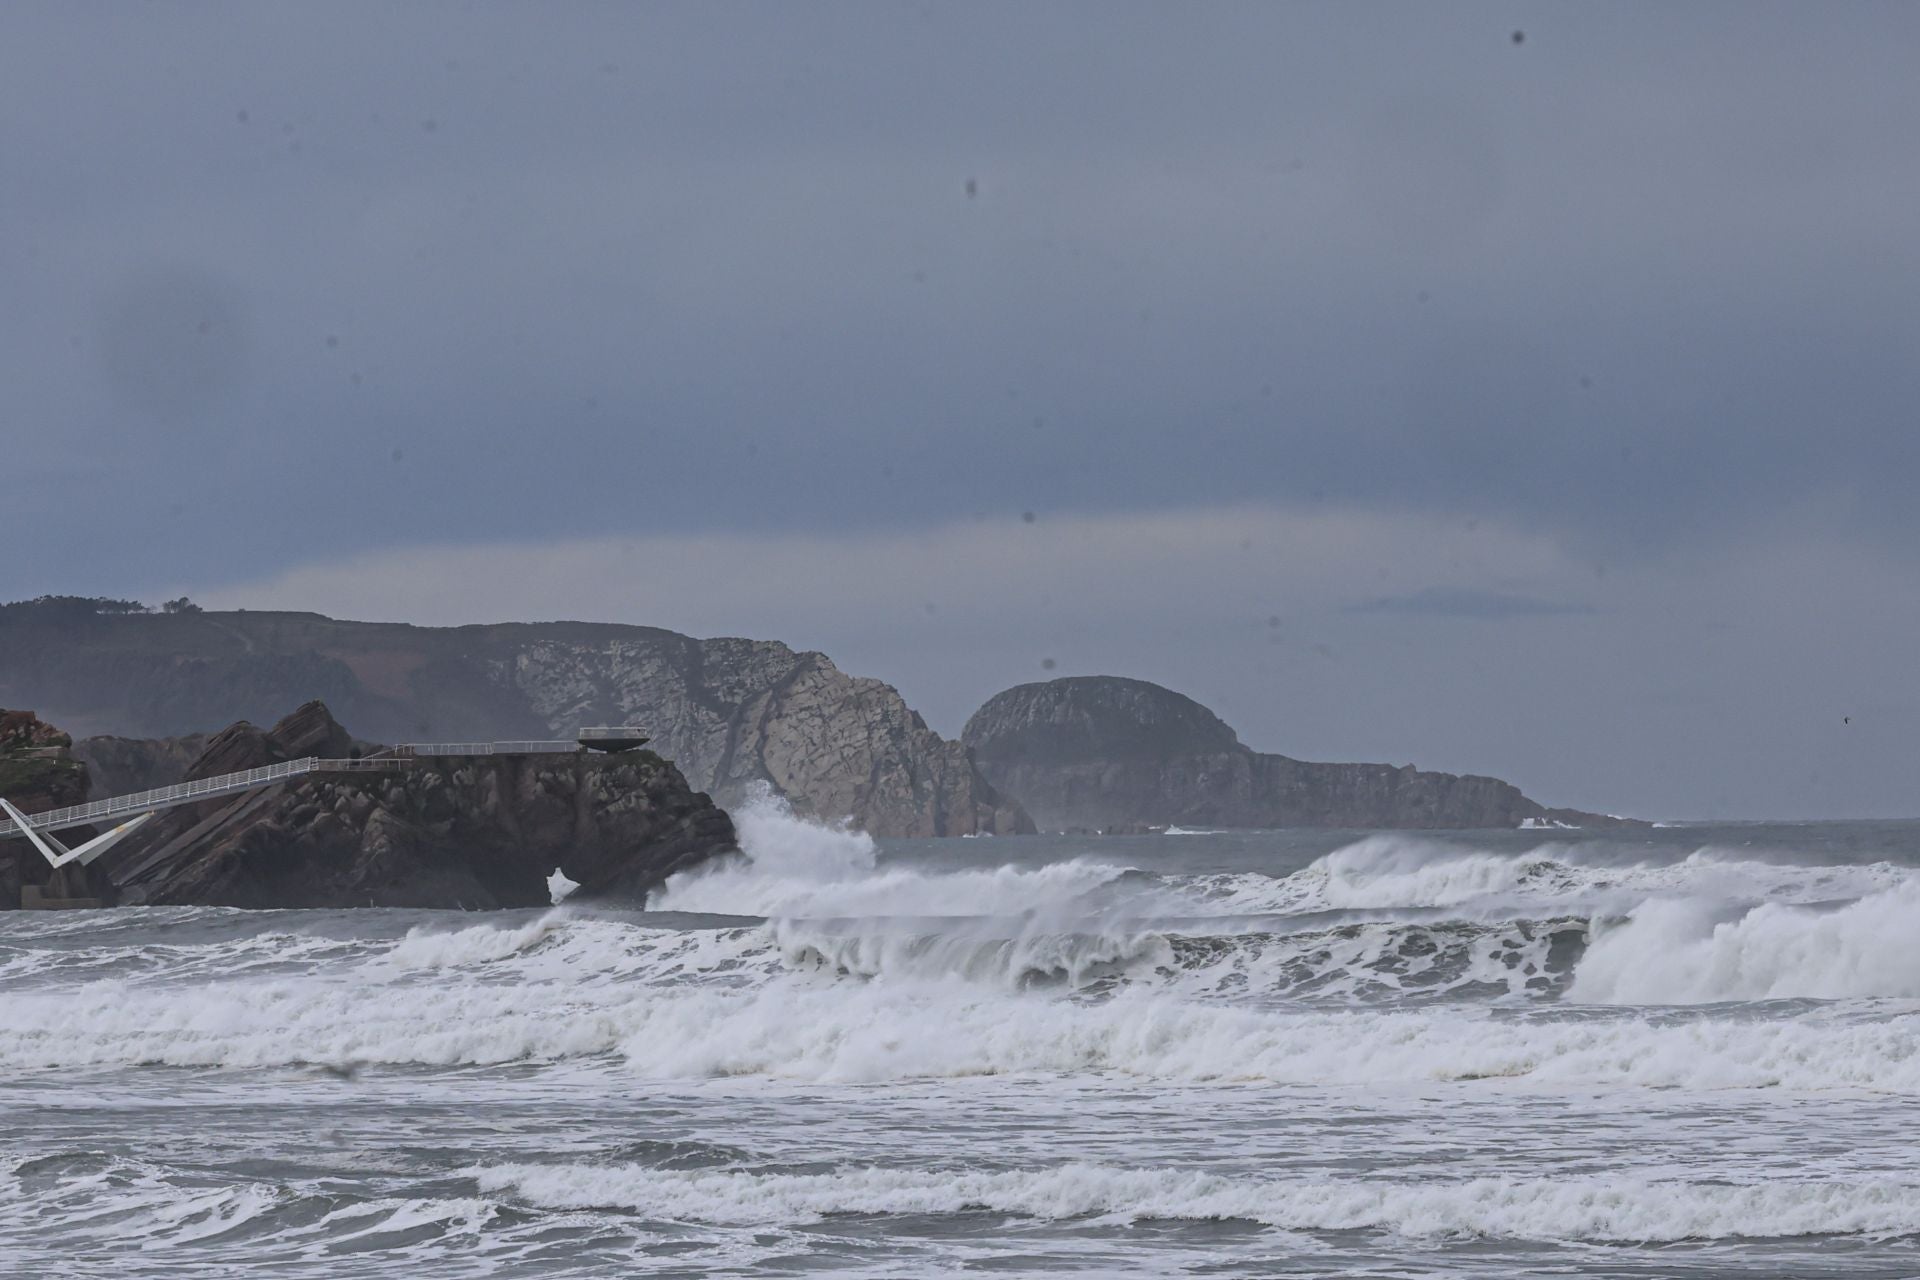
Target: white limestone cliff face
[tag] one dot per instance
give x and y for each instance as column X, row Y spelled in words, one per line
column 735, row 712
column 730, row 712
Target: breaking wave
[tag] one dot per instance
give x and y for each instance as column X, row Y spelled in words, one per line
column 1613, row 1210
column 877, row 1034
column 793, row 866
column 1330, row 1056
column 505, row 1215
column 1363, row 961
column 797, row 867
column 1393, row 959
column 1690, row 951
column 609, row 994
column 1396, row 871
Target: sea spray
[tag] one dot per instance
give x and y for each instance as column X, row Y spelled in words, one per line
column 795, row 866
column 1452, row 1055
column 610, row 996
column 1398, row 871
column 1697, row 951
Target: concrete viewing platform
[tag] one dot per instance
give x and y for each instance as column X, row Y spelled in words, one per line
column 613, row 738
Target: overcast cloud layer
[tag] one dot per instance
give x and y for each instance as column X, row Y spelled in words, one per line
column 1403, row 391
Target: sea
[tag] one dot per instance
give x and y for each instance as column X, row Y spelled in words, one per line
column 1686, row 1051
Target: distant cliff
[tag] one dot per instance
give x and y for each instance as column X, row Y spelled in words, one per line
column 121, row 766
column 1103, row 752
column 474, row 832
column 729, row 712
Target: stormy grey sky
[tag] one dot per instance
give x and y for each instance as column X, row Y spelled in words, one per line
column 1400, row 390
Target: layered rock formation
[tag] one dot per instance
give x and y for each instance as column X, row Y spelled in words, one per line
column 457, row 831
column 37, row 773
column 1106, row 753
column 740, row 712
column 730, row 712
column 474, row 832
column 121, row 766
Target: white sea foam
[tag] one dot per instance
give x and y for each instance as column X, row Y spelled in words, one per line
column 568, row 950
column 972, row 951
column 1376, row 960
column 101, row 1202
column 1389, row 871
column 798, row 867
column 1611, row 1209
column 555, row 946
column 1686, row 952
column 1126, row 1022
column 427, row 948
column 945, row 984
column 150, row 962
column 794, row 866
column 1349, row 962
column 876, row 1033
column 737, row 1011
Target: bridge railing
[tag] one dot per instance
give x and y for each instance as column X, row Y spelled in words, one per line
column 180, row 793
column 187, row 792
column 485, row 748
column 165, row 797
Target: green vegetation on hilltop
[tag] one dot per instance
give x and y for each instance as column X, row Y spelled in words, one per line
column 29, row 776
column 91, row 606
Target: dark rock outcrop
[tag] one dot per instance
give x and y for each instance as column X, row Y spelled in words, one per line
column 474, row 831
column 1106, row 753
column 731, row 712
column 37, row 773
column 122, row 766
column 23, row 731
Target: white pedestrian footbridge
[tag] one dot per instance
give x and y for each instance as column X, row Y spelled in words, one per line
column 134, row 810
column 130, row 812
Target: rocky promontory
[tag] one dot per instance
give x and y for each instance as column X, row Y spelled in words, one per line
column 37, row 772
column 1107, row 753
column 732, row 713
column 456, row 831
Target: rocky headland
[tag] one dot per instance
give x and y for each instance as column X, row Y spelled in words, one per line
column 1105, row 753
column 457, row 831
column 37, row 772
column 731, row 713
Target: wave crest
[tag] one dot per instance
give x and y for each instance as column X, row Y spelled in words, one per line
column 795, row 866
column 1615, row 1209
column 1687, row 952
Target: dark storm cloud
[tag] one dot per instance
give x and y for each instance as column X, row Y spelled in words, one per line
column 1624, row 312
column 385, row 273
column 1468, row 602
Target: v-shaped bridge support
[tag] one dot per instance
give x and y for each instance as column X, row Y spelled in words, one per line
column 57, row 854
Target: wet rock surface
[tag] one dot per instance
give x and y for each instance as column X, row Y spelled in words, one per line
column 470, row 832
column 121, row 766
column 38, row 772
